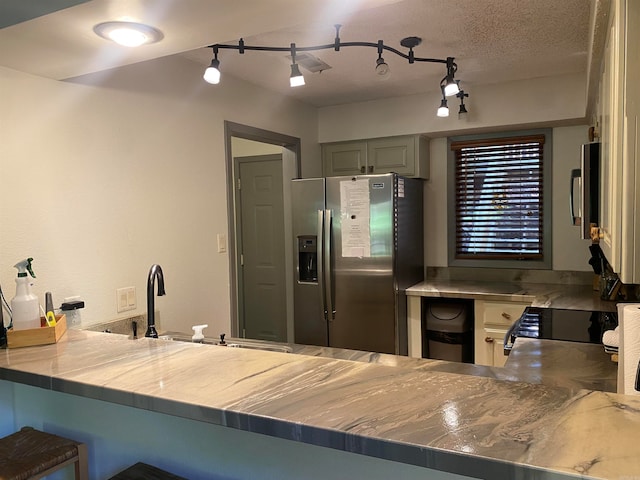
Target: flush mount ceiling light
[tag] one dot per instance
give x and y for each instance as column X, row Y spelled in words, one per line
column 449, row 85
column 128, row 34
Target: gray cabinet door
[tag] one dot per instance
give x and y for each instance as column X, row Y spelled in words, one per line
column 347, row 158
column 406, row 155
column 394, row 154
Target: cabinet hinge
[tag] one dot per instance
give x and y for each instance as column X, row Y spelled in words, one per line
column 238, row 186
column 242, row 260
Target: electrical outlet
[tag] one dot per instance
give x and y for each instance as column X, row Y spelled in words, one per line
column 126, row 299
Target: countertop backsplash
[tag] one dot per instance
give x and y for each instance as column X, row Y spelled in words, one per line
column 122, row 326
column 502, row 275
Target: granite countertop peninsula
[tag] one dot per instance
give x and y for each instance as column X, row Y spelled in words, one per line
column 470, row 425
column 548, row 295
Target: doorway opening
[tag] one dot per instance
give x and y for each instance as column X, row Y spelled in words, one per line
column 257, row 278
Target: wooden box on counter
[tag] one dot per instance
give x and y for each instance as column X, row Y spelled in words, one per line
column 37, row 336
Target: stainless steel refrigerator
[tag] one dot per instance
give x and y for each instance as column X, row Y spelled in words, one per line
column 358, row 245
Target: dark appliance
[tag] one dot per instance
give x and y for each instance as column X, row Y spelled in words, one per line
column 561, row 324
column 358, row 246
column 588, row 179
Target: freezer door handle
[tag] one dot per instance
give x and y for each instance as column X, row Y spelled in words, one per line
column 328, row 274
column 321, row 263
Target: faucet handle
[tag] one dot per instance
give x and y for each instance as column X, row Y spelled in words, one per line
column 222, row 342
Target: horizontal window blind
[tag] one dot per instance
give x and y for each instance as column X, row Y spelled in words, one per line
column 499, row 198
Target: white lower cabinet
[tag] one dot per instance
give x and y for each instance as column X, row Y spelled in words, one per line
column 492, row 320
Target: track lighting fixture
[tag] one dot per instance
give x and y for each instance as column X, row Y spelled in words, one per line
column 296, row 79
column 448, row 84
column 212, row 73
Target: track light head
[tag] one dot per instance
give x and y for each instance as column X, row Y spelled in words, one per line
column 296, row 79
column 462, row 112
column 450, row 85
column 382, row 68
column 212, row 73
column 443, row 110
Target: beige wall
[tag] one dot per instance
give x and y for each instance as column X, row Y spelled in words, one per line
column 100, row 181
column 539, row 101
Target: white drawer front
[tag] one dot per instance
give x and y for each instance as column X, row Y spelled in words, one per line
column 500, row 313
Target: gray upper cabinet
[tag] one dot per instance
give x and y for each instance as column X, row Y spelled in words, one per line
column 344, row 158
column 406, row 155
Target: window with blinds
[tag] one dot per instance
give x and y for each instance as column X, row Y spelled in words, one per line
column 499, row 198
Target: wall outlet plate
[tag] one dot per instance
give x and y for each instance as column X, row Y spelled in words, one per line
column 126, row 299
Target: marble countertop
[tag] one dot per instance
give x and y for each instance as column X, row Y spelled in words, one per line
column 574, row 297
column 465, row 424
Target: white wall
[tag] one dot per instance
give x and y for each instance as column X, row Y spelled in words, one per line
column 543, row 102
column 241, row 147
column 100, row 181
column 539, row 101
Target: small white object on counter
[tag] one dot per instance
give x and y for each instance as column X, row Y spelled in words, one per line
column 198, row 336
column 629, row 350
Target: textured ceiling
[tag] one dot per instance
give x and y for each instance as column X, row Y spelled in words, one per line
column 492, row 40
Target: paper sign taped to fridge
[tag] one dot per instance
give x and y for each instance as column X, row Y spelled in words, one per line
column 354, row 214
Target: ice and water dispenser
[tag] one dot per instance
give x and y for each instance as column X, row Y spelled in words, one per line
column 308, row 259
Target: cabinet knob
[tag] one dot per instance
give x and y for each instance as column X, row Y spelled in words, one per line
column 362, row 169
column 506, row 315
column 370, row 168
column 488, row 339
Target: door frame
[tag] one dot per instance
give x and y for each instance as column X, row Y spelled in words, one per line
column 291, row 148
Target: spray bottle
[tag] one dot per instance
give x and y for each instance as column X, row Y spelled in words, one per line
column 25, row 307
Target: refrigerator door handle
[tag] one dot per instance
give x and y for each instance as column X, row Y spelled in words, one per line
column 326, row 245
column 575, row 174
column 320, row 250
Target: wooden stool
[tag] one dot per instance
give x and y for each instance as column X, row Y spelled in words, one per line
column 31, row 454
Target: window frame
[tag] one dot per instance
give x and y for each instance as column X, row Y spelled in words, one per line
column 545, row 263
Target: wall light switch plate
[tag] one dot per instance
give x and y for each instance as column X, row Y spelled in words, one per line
column 126, row 299
column 222, row 243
